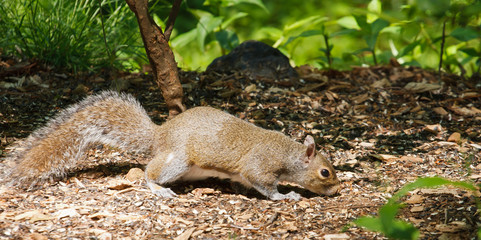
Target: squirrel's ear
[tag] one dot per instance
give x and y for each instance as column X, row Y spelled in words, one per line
column 311, row 147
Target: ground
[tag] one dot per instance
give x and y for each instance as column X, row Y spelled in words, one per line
column 381, row 127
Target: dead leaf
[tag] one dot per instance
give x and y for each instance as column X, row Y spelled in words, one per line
column 455, row 137
column 417, row 209
column 402, row 110
column 381, row 83
column 452, row 227
column 412, row 159
column 250, row 88
column 440, row 111
column 418, row 87
column 119, row 184
column 367, row 145
column 360, row 98
column 203, row 191
column 435, row 128
column 386, row 157
column 464, row 111
column 416, row 198
column 34, row 215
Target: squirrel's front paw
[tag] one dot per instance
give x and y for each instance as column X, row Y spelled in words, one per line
column 164, row 192
column 291, row 196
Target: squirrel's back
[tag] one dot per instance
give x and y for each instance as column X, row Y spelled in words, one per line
column 109, row 118
column 210, row 137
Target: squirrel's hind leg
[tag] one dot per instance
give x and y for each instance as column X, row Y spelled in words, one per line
column 164, row 168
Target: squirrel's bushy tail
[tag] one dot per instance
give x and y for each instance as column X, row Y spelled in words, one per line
column 108, row 118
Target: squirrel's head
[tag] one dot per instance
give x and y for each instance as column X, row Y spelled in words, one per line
column 320, row 176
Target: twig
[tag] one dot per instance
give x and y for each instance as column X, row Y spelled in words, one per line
column 328, row 50
column 103, row 30
column 171, row 20
column 443, row 38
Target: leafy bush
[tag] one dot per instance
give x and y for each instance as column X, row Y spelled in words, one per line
column 69, row 34
column 387, row 224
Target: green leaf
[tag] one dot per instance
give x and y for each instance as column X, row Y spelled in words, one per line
column 403, row 230
column 408, row 49
column 183, row 39
column 307, row 33
column 375, row 6
column 471, row 52
column 270, row 32
column 370, row 223
column 371, row 41
column 258, row 3
column 429, row 182
column 378, row 25
column 342, row 32
column 387, row 213
column 361, row 21
column 374, row 29
column 303, row 23
column 236, row 16
column 465, row 34
column 348, row 22
column 206, row 25
column 227, row 39
column 375, row 9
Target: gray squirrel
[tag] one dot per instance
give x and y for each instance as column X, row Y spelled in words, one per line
column 196, row 144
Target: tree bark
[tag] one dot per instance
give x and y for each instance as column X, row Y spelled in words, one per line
column 161, row 57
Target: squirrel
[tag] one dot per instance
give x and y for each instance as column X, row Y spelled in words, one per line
column 196, row 144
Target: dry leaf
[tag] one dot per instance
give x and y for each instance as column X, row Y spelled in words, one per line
column 417, row 209
column 412, row 159
column 435, row 128
column 440, row 111
column 250, row 88
column 119, row 184
column 421, row 87
column 455, row 137
column 452, row 227
column 33, row 216
column 416, row 198
column 203, row 191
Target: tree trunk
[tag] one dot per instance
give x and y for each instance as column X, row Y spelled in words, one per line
column 161, row 57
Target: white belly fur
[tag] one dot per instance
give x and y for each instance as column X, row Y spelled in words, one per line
column 196, row 174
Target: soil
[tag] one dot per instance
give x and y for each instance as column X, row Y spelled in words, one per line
column 381, row 127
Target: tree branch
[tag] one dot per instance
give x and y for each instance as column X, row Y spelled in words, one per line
column 169, row 26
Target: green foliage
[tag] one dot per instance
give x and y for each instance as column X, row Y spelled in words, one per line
column 386, row 222
column 213, row 24
column 326, row 34
column 68, row 34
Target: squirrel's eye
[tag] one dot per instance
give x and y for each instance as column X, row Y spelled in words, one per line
column 325, row 173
